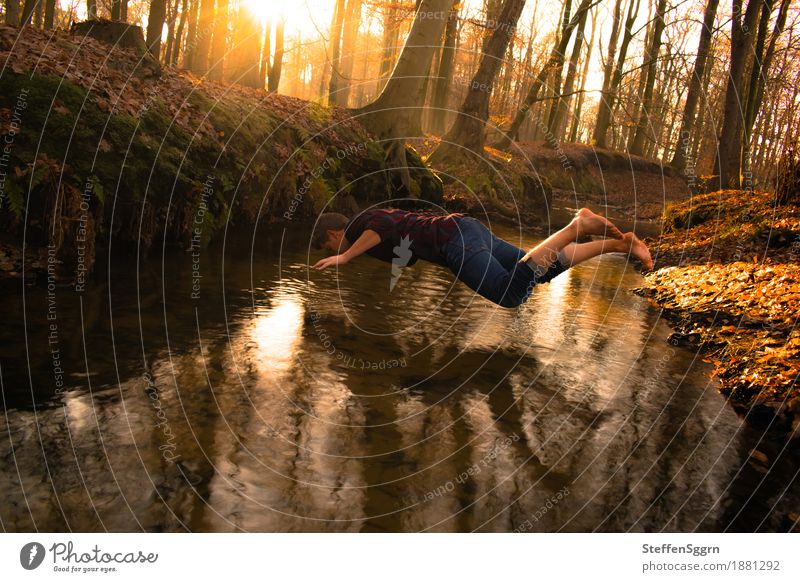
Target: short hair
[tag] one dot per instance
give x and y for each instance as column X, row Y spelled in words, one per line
column 327, row 221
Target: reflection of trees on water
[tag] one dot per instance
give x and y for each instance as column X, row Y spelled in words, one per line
column 493, row 414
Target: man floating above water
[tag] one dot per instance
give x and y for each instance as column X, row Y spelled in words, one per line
column 495, row 269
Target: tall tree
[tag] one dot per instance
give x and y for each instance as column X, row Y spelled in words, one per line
column 576, row 117
column 552, row 61
column 468, row 130
column 172, row 58
column 155, row 26
column 27, row 12
column 334, row 51
column 277, row 60
column 263, row 69
column 91, row 9
column 191, row 35
column 245, row 56
column 556, row 127
column 761, row 66
column 393, row 112
column 38, row 14
column 202, row 44
column 171, row 19
column 693, row 94
column 219, row 41
column 729, row 150
column 650, row 69
column 609, row 97
column 352, row 21
column 391, row 36
column 49, row 14
column 608, row 71
column 558, row 67
column 12, row 12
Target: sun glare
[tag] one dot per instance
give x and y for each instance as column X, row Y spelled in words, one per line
column 307, row 17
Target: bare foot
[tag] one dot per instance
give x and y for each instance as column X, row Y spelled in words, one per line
column 590, row 223
column 637, row 249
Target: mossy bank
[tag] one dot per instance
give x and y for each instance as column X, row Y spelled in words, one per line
column 103, row 150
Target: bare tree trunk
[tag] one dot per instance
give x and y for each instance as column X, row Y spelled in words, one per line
column 761, row 67
column 27, row 12
column 245, row 57
column 172, row 19
column 558, row 69
column 526, row 71
column 729, row 150
column 277, row 60
column 391, row 114
column 609, row 97
column 191, row 35
column 552, row 61
column 202, row 46
column 115, row 10
column 172, row 58
column 91, row 9
column 155, row 26
column 266, row 47
column 38, row 14
column 576, row 117
column 444, row 73
column 360, row 90
column 651, row 57
column 12, row 12
column 469, row 130
column 509, row 63
column 603, row 110
column 556, row 128
column 334, row 51
column 219, row 42
column 695, row 88
column 49, row 14
column 391, row 37
column 352, row 21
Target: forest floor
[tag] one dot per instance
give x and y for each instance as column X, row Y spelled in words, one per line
column 575, row 174
column 727, row 277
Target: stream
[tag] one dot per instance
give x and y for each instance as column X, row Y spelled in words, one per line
column 235, row 390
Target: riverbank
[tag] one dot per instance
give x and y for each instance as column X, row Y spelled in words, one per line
column 727, row 277
column 533, row 178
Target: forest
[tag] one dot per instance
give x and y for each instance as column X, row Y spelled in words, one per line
column 143, row 137
column 709, row 89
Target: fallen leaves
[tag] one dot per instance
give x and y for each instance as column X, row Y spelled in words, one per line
column 743, row 313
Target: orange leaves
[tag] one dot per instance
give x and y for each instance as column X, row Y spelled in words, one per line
column 736, row 290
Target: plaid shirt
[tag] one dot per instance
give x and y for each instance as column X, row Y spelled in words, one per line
column 424, row 235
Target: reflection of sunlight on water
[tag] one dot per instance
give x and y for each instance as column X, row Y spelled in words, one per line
column 77, row 410
column 549, row 302
column 277, row 333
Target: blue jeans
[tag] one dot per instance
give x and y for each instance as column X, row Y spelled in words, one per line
column 491, row 266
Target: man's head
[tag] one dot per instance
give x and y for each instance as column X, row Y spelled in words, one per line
column 329, row 232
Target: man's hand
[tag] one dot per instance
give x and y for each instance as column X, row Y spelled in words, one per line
column 335, row 260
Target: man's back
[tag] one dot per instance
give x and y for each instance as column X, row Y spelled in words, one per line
column 422, row 234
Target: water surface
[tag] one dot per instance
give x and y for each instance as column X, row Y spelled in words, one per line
column 275, row 399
